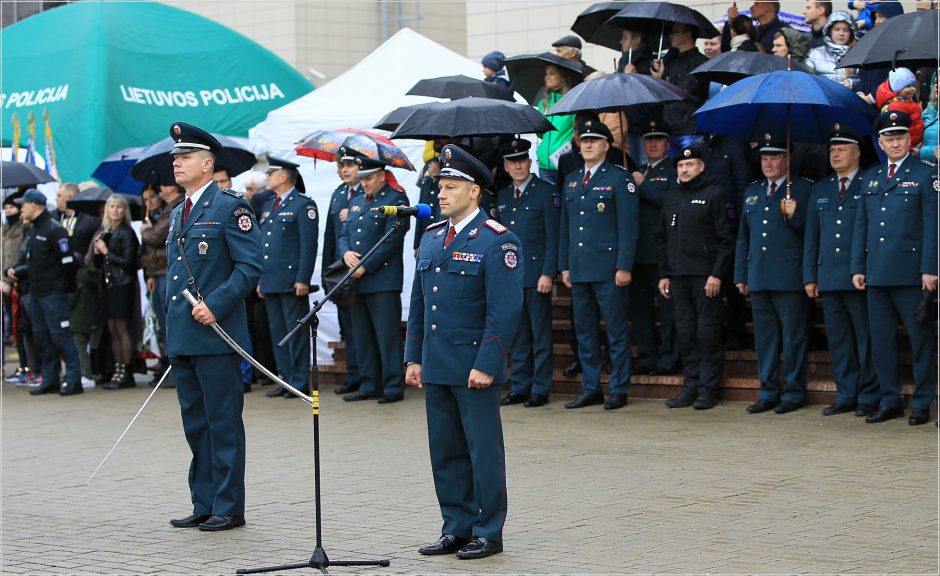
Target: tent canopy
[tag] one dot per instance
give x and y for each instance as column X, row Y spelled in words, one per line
column 114, row 75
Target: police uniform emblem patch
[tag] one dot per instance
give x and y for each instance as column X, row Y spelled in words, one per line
column 244, row 223
column 312, row 213
column 510, row 259
column 601, row 206
column 631, row 187
column 448, row 154
column 936, row 185
column 64, row 245
column 203, row 248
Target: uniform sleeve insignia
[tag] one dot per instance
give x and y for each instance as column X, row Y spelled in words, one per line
column 234, row 193
column 495, row 226
column 244, row 222
column 240, row 211
column 312, row 213
column 508, row 246
column 936, row 185
column 510, row 259
column 64, row 245
column 631, row 187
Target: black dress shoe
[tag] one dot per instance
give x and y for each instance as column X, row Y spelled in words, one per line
column 247, row 387
column 785, row 407
column 885, row 414
column 761, row 406
column 389, row 398
column 705, row 400
column 191, row 521
column 572, row 369
column 71, row 389
column 586, row 399
column 614, row 402
column 919, row 416
column 358, row 397
column 837, row 409
column 865, row 410
column 43, row 390
column 683, row 399
column 346, row 388
column 513, row 398
column 446, row 544
column 220, row 523
column 535, row 401
column 479, row 548
column 279, row 391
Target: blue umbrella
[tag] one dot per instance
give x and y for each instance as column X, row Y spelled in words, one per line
column 115, row 170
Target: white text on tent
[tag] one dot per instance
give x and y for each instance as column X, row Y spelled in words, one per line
column 188, row 98
column 33, row 97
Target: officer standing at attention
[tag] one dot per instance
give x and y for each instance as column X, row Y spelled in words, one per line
column 376, row 308
column 696, row 247
column 339, row 214
column 652, row 179
column 466, row 302
column 48, row 263
column 214, row 251
column 596, row 249
column 528, row 208
column 894, row 259
column 290, row 225
column 769, row 267
column 827, row 252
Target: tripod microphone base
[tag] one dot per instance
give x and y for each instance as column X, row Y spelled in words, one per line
column 319, row 561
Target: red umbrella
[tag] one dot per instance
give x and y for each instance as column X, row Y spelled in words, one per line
column 323, row 144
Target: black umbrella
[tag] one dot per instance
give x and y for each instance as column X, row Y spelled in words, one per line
column 90, row 201
column 157, row 159
column 657, row 18
column 460, row 86
column 593, row 27
column 729, row 67
column 13, row 174
column 527, row 72
column 472, row 117
column 906, row 40
column 391, row 120
column 615, row 92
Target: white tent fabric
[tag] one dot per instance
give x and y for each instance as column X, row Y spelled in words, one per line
column 359, row 98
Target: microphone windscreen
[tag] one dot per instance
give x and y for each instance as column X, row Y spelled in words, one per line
column 424, row 211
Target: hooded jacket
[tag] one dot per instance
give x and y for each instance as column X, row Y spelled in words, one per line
column 824, row 59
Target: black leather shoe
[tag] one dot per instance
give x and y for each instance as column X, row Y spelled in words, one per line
column 220, row 523
column 191, row 521
column 358, row 397
column 615, row 401
column 346, row 388
column 705, row 400
column 446, row 544
column 919, row 416
column 761, row 406
column 865, row 410
column 785, row 407
column 838, row 409
column 247, row 387
column 513, row 398
column 43, row 390
column 683, row 399
column 885, row 414
column 572, row 369
column 389, row 398
column 71, row 389
column 115, row 385
column 479, row 548
column 279, row 391
column 586, row 399
column 536, row 400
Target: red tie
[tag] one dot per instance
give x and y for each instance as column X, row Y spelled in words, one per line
column 517, row 196
column 368, row 199
column 450, row 236
column 349, row 193
column 186, row 208
column 773, row 190
column 277, row 203
column 587, row 178
column 891, row 168
column 843, row 180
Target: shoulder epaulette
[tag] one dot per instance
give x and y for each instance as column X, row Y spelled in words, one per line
column 754, row 182
column 804, row 178
column 928, row 163
column 437, row 224
column 495, row 226
column 234, row 193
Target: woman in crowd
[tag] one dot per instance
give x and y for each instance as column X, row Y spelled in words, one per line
column 114, row 251
column 839, row 34
column 744, row 35
column 558, row 81
column 929, row 150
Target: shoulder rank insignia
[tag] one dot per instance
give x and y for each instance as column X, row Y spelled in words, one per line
column 234, row 193
column 495, row 226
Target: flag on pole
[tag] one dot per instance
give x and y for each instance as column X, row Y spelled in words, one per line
column 31, row 143
column 51, row 166
column 15, row 120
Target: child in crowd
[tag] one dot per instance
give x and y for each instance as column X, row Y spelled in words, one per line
column 898, row 93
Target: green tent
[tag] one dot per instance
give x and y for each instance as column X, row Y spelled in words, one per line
column 116, row 74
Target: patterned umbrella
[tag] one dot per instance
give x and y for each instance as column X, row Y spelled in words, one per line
column 323, row 144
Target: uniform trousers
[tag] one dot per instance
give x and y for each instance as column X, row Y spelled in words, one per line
column 532, row 345
column 292, row 359
column 613, row 301
column 846, row 314
column 376, row 323
column 346, row 333
column 644, row 301
column 886, row 306
column 49, row 314
column 211, row 397
column 698, row 322
column 781, row 321
column 468, row 458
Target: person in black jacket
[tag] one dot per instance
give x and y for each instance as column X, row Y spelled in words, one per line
column 676, row 68
column 114, row 251
column 49, row 264
column 695, row 244
column 768, row 24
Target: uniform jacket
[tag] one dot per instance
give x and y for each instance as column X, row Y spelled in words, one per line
column 651, row 193
column 895, row 238
column 385, row 268
column 769, row 254
column 534, row 220
column 694, row 237
column 288, row 242
column 223, row 246
column 599, row 224
column 726, row 165
column 427, row 194
column 466, row 302
column 47, row 260
column 338, row 202
column 830, row 225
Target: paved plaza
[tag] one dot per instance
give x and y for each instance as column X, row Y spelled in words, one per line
column 639, row 490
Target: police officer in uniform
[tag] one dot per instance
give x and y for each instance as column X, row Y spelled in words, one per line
column 214, row 251
column 596, row 250
column 769, row 267
column 336, row 219
column 652, row 179
column 695, row 241
column 528, row 208
column 376, row 309
column 49, row 264
column 894, row 259
column 466, row 302
column 827, row 252
column 290, row 225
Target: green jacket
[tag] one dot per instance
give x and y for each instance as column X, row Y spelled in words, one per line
column 555, row 143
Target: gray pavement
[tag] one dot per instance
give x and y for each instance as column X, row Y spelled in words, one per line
column 639, row 490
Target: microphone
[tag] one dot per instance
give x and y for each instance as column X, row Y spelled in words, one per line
column 419, row 211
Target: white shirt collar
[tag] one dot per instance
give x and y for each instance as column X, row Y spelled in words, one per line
column 851, row 176
column 194, row 198
column 594, row 168
column 523, row 186
column 899, row 162
column 780, row 182
column 459, row 226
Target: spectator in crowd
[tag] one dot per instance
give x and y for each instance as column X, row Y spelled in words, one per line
column 256, row 191
column 569, row 48
column 928, row 148
column 711, row 47
column 153, row 233
column 558, row 81
column 864, row 20
column 16, row 298
column 743, row 35
column 494, row 68
column 615, row 121
column 839, row 35
column 882, row 11
column 789, row 42
column 427, row 186
column 816, row 14
column 768, row 23
column 870, row 80
column 676, row 68
column 636, row 59
column 897, row 93
column 114, row 251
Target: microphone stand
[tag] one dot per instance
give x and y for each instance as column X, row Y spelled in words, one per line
column 319, row 559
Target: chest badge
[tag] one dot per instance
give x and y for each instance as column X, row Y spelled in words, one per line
column 203, row 248
column 601, row 206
